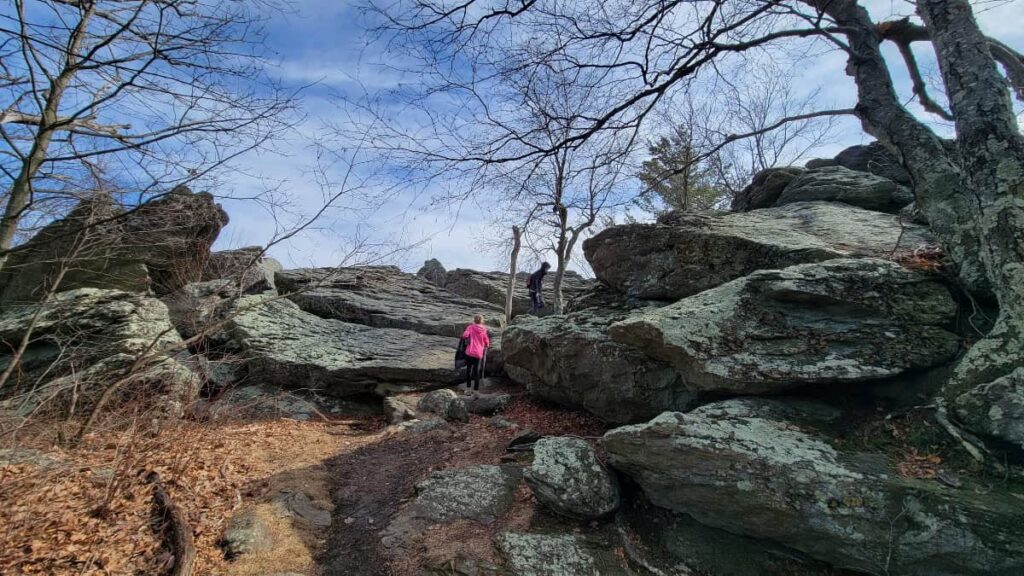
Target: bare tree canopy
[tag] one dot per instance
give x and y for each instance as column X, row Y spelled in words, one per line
column 633, row 57
column 147, row 94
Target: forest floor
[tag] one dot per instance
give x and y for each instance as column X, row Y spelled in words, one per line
column 88, row 510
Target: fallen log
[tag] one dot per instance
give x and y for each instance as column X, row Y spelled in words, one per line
column 182, row 544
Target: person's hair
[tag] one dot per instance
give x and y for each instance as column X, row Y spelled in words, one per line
column 545, row 265
column 478, row 319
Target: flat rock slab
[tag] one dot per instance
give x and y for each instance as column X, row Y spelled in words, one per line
column 384, row 297
column 556, row 555
column 482, row 493
column 288, row 347
column 748, row 467
column 832, row 322
column 685, row 254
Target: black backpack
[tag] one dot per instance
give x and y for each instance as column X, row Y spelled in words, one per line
column 460, row 353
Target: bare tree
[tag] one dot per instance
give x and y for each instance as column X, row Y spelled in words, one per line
column 972, row 193
column 150, row 93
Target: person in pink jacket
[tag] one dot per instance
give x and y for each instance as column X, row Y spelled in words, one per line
column 479, row 341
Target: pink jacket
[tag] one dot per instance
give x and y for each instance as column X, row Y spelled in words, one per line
column 478, row 340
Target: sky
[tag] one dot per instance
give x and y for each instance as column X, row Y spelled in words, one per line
column 321, row 46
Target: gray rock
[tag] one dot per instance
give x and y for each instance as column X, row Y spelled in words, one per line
column 15, row 456
column 493, row 287
column 422, row 425
column 764, row 189
column 288, row 347
column 853, row 320
column 911, row 213
column 198, row 306
column 446, row 404
column 502, row 423
column 571, row 360
column 872, row 158
column 482, row 493
column 567, row 477
column 687, row 253
column 92, row 335
column 486, row 404
column 838, row 184
column 245, row 533
column 249, row 270
column 525, row 439
column 995, row 409
column 384, row 297
column 396, row 411
column 433, row 271
column 746, row 469
column 556, row 555
column 260, row 401
column 160, row 245
column 299, row 505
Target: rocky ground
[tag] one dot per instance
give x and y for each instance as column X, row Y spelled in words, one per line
column 759, row 391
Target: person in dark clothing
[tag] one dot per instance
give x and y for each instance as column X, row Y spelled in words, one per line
column 534, row 285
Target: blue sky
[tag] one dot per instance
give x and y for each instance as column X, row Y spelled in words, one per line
column 322, row 43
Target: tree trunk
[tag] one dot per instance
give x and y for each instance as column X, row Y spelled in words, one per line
column 516, row 242
column 991, row 154
column 20, row 196
column 973, row 196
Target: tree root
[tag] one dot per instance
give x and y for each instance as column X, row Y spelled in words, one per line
column 182, row 544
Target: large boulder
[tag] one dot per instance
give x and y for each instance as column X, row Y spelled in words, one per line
column 433, row 271
column 247, row 268
column 160, row 245
column 287, row 346
column 89, row 336
column 383, row 297
column 567, row 477
column 493, row 287
column 871, row 158
column 572, row 361
column 850, row 320
column 684, row 254
column 996, row 408
column 444, row 403
column 764, row 189
column 753, row 468
column 838, row 184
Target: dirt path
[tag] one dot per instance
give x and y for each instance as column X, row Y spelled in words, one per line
column 371, row 483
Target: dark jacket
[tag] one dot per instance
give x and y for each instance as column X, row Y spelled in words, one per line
column 536, row 279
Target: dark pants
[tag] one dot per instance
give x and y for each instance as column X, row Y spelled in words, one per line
column 536, row 301
column 473, row 373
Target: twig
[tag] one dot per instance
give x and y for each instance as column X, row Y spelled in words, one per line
column 943, row 420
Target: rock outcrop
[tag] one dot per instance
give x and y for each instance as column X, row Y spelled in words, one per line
column 872, row 158
column 572, row 361
column 751, row 467
column 248, row 268
column 684, row 254
column 159, row 246
column 764, row 189
column 838, row 184
column 433, row 271
column 850, row 320
column 446, row 404
column 289, row 347
column 996, row 408
column 91, row 336
column 567, row 477
column 383, row 297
